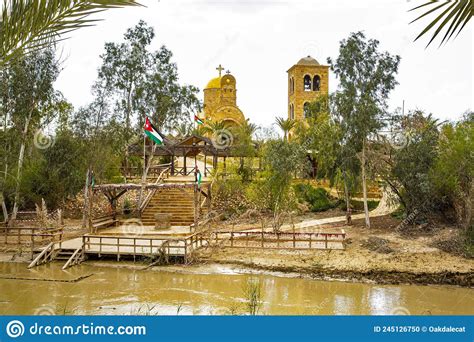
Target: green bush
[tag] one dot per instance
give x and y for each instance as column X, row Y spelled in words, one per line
column 359, row 205
column 317, row 198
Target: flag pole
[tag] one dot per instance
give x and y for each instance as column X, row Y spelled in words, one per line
column 144, row 151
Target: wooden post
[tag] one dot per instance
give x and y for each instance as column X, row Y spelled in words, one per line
column 196, row 208
column 326, row 241
column 32, row 246
column 195, row 162
column 310, row 235
column 205, row 165
column 118, row 249
column 134, row 248
column 231, row 239
column 172, row 165
column 184, row 165
column 214, row 162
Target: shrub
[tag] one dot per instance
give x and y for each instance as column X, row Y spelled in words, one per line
column 230, row 196
column 317, row 198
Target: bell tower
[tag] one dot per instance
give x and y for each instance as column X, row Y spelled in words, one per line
column 307, row 80
column 228, row 90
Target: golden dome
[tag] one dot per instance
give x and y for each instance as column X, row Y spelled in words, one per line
column 214, row 83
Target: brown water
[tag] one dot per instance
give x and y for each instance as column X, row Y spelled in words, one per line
column 211, row 290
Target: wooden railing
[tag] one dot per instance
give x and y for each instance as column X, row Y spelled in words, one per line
column 281, row 240
column 164, row 173
column 137, row 172
column 184, row 171
column 45, row 256
column 76, row 258
column 121, row 245
column 33, row 236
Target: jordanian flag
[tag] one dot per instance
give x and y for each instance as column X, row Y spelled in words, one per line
column 198, row 177
column 152, row 133
column 198, row 120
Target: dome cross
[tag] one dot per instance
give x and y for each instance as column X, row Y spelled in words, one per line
column 220, row 68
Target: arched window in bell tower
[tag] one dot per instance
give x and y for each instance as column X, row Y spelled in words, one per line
column 292, row 85
column 316, row 83
column 307, row 83
column 292, row 111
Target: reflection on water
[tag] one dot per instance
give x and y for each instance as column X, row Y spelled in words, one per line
column 124, row 291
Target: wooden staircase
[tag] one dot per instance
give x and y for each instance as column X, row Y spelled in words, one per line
column 177, row 202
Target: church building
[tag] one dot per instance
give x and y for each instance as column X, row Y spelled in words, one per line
column 307, row 80
column 220, row 100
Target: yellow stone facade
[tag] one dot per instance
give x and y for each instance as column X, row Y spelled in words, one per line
column 220, row 100
column 307, row 80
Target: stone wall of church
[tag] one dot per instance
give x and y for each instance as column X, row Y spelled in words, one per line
column 299, row 96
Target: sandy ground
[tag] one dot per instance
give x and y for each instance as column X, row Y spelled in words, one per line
column 378, row 254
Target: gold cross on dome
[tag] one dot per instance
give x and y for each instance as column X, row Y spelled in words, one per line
column 220, row 68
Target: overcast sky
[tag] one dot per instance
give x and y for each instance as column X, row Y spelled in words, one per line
column 259, row 40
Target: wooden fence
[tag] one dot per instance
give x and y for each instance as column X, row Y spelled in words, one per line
column 30, row 236
column 281, row 240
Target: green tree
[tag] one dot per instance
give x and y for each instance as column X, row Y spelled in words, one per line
column 320, row 135
column 366, row 77
column 141, row 83
column 29, row 102
column 405, row 160
column 453, row 171
column 29, row 25
column 282, row 159
column 54, row 174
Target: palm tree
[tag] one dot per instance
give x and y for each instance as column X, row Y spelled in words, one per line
column 246, row 130
column 213, row 127
column 456, row 13
column 286, row 125
column 30, row 25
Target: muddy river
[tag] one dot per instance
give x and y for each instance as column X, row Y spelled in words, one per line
column 209, row 290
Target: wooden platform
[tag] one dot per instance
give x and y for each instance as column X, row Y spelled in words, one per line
column 143, row 241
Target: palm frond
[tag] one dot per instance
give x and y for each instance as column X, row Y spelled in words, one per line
column 455, row 13
column 29, row 25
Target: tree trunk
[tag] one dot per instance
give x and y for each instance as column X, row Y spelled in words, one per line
column 364, row 187
column 85, row 216
column 4, row 207
column 348, row 201
column 21, row 157
column 463, row 207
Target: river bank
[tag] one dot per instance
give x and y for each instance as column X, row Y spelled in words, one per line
column 380, row 254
